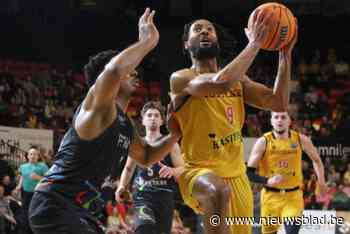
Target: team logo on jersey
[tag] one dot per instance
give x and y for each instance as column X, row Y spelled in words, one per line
column 231, row 93
column 226, row 140
column 123, row 141
column 212, row 135
column 140, row 182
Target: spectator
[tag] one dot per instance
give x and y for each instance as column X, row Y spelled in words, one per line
column 312, row 204
column 30, row 174
column 7, row 219
column 340, row 201
column 333, row 175
column 326, row 198
column 346, row 189
column 346, row 176
column 7, row 176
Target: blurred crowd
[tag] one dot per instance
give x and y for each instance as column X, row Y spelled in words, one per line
column 44, row 96
column 320, row 95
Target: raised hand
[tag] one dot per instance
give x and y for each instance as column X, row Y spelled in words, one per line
column 147, row 30
column 6, row 180
column 257, row 30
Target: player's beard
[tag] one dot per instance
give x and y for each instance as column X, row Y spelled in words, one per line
column 201, row 53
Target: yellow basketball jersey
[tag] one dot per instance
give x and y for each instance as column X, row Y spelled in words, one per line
column 283, row 156
column 211, row 132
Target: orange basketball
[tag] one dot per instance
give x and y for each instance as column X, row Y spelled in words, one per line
column 282, row 26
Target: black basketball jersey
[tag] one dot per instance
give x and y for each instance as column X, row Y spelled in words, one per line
column 82, row 165
column 148, row 179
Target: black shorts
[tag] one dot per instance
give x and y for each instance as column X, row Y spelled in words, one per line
column 154, row 208
column 51, row 213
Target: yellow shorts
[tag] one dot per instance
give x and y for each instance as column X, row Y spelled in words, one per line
column 241, row 202
column 275, row 204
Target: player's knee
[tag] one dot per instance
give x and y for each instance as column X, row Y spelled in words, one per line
column 211, row 192
column 217, row 194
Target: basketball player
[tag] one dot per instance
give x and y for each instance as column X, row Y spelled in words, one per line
column 67, row 200
column 209, row 103
column 278, row 156
column 154, row 197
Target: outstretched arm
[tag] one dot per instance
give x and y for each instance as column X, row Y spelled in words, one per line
column 125, row 178
column 127, row 173
column 276, row 99
column 224, row 80
column 311, row 151
column 107, row 85
column 146, row 154
column 98, row 110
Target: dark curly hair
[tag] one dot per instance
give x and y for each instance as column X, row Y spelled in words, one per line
column 227, row 42
column 96, row 65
